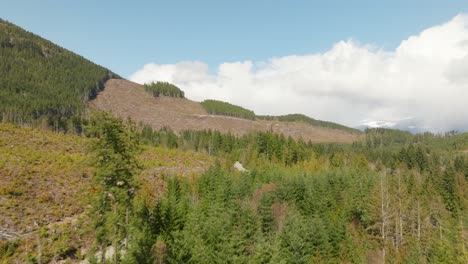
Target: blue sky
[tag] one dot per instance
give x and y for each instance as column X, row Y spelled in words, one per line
column 124, row 35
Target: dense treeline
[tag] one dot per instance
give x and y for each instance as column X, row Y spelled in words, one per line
column 393, row 198
column 340, row 204
column 216, row 107
column 307, row 120
column 42, row 83
column 264, row 216
column 396, row 196
column 384, row 137
column 387, row 146
column 392, row 146
column 265, row 146
column 164, row 88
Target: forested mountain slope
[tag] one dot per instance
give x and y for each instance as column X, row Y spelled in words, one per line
column 42, row 82
column 129, row 100
column 44, row 85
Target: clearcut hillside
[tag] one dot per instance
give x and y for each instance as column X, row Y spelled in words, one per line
column 127, row 99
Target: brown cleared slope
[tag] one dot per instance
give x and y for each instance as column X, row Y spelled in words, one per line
column 127, row 99
column 46, row 177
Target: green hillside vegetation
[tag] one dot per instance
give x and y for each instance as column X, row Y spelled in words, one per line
column 42, row 83
column 308, row 120
column 216, row 107
column 164, row 88
column 394, row 140
column 398, row 202
column 396, row 196
column 248, row 148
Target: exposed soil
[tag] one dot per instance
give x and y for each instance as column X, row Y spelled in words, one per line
column 129, row 100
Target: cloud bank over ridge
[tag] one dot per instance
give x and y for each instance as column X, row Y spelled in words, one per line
column 424, row 79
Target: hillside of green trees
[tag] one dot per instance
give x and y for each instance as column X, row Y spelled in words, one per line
column 43, row 83
column 216, row 107
column 307, row 120
column 391, row 198
column 396, row 198
column 164, row 88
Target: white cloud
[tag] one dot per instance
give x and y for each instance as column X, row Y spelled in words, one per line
column 425, row 77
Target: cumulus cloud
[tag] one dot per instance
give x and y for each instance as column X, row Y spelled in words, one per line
column 425, row 77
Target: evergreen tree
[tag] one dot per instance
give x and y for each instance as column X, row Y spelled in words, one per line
column 114, row 153
column 164, row 88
